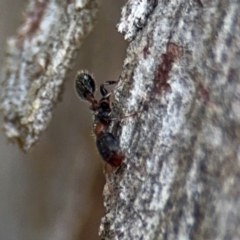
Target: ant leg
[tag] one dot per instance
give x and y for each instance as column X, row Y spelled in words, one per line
column 104, row 91
column 135, row 113
column 125, row 116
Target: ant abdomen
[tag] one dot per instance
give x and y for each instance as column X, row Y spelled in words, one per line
column 108, row 147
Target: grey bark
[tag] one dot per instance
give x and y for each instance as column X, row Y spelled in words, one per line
column 181, row 173
column 180, row 86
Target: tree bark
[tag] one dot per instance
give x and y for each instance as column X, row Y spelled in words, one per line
column 181, row 173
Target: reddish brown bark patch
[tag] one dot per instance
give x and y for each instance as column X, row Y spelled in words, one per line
column 173, row 53
column 202, row 91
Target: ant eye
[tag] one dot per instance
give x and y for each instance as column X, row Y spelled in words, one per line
column 84, row 85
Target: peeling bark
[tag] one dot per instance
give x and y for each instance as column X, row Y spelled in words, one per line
column 180, row 178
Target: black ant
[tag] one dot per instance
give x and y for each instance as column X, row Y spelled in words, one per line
column 107, row 144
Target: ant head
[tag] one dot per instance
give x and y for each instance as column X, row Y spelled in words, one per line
column 84, row 85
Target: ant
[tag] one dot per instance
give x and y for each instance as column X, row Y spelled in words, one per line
column 107, row 145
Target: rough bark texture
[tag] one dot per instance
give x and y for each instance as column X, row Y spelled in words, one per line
column 37, row 62
column 180, row 178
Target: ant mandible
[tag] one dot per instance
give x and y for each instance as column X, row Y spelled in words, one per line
column 107, row 145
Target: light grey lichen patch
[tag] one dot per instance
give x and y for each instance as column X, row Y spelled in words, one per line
column 134, row 17
column 37, row 62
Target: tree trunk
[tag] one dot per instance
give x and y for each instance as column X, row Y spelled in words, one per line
column 180, row 178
